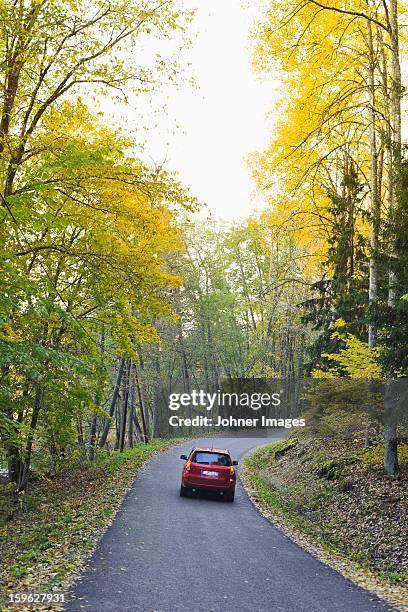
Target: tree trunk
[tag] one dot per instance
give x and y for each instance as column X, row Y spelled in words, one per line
column 390, row 429
column 131, row 412
column 159, row 400
column 15, row 462
column 375, row 200
column 142, row 408
column 137, row 425
column 92, row 438
column 390, row 449
column 130, row 426
column 112, row 406
column 25, row 472
column 80, row 437
column 396, row 94
column 122, row 429
column 391, row 397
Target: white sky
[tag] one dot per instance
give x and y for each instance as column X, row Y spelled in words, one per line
column 207, row 132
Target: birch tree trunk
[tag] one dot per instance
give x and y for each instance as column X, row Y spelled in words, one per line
column 396, row 91
column 390, row 427
column 375, row 200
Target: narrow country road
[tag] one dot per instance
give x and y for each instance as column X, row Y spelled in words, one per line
column 164, row 553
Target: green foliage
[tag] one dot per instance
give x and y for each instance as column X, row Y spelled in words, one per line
column 233, row 315
column 332, row 469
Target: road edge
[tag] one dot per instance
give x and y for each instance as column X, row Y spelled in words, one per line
column 350, row 570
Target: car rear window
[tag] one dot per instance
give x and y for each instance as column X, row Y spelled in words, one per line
column 210, row 458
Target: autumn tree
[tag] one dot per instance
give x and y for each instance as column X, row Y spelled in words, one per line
column 340, row 64
column 85, row 227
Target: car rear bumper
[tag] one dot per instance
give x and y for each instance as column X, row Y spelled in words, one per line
column 205, row 485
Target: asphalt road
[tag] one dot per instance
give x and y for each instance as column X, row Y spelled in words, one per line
column 164, row 553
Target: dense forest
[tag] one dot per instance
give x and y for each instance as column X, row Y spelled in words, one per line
column 114, row 290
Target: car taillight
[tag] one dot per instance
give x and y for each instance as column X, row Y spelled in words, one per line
column 232, row 469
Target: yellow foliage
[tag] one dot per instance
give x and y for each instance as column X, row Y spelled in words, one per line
column 320, row 58
column 355, row 360
column 7, row 334
column 104, row 223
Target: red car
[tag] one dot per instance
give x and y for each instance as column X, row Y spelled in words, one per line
column 209, row 469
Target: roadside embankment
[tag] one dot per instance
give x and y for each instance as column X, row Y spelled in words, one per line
column 48, row 532
column 332, row 498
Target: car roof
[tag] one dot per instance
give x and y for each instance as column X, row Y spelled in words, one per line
column 207, row 449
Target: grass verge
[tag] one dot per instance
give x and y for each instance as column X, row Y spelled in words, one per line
column 333, row 500
column 50, row 532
